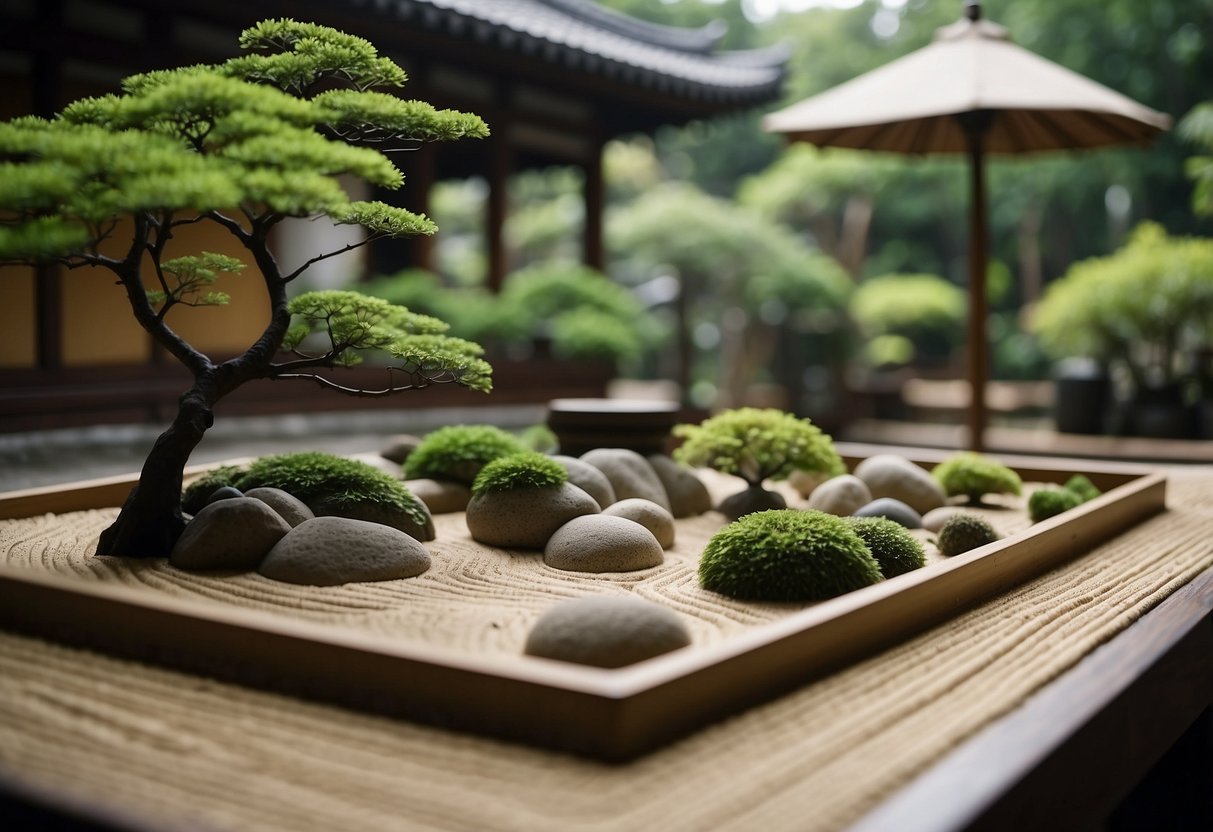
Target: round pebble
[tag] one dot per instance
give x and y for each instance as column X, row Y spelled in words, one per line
column 755, row 498
column 606, row 631
column 841, row 496
column 648, row 514
column 934, row 519
column 440, row 496
column 890, row 475
column 524, row 518
column 688, row 495
column 602, row 543
column 630, row 474
column 328, row 551
column 895, row 510
column 289, row 507
column 235, row 533
column 588, row 478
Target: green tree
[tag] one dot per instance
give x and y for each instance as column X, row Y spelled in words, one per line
column 241, row 145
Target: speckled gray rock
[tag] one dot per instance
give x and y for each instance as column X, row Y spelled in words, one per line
column 688, row 495
column 630, row 474
column 327, row 551
column 843, row 495
column 648, row 514
column 889, row 475
column 224, row 492
column 602, row 543
column 752, row 499
column 895, row 510
column 397, row 448
column 289, row 507
column 588, row 478
column 934, row 519
column 440, row 496
column 387, row 515
column 606, row 631
column 229, row 534
column 524, row 518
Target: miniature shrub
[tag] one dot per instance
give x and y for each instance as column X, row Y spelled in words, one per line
column 964, row 532
column 539, row 438
column 895, row 549
column 195, row 495
column 1049, row 502
column 528, row 469
column 458, row 452
column 974, row 475
column 787, row 555
column 313, row 476
column 1082, row 486
column 758, row 444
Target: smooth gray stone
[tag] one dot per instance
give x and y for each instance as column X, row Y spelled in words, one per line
column 387, row 515
column 327, row 551
column 755, row 498
column 890, row 475
column 934, row 519
column 688, row 495
column 588, row 478
column 224, row 492
column 440, row 496
column 606, row 631
column 397, row 448
column 235, row 533
column 841, row 496
column 524, row 518
column 895, row 510
column 648, row 514
column 289, row 507
column 602, row 543
column 630, row 474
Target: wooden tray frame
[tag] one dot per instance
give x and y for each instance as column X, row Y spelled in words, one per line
column 608, row 714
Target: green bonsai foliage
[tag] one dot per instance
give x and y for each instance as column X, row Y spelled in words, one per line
column 787, row 555
column 963, row 532
column 1048, row 502
column 924, row 311
column 195, row 495
column 974, row 475
column 895, row 549
column 525, row 470
column 241, row 146
column 459, row 452
column 540, row 438
column 1081, row 485
column 758, row 444
column 316, row 477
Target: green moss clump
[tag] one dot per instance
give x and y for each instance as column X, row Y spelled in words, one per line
column 540, row 438
column 787, row 555
column 1049, row 502
column 1081, row 485
column 895, row 549
column 964, row 532
column 313, row 477
column 458, row 452
column 974, row 475
column 525, row 470
column 195, row 495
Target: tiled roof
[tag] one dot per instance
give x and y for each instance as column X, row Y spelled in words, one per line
column 581, row 36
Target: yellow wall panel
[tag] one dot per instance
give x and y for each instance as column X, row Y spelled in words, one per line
column 98, row 327
column 18, row 338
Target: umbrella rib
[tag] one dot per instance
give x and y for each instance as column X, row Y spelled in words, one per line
column 1112, row 126
column 1016, row 136
column 1052, row 126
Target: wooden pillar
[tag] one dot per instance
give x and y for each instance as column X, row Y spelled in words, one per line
column 47, row 73
column 501, row 167
column 595, row 198
column 978, row 367
column 419, row 181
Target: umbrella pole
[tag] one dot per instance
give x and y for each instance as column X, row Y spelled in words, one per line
column 978, row 352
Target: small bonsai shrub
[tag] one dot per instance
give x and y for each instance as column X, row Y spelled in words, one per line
column 540, row 438
column 1082, row 486
column 458, row 452
column 1049, row 502
column 195, row 495
column 787, row 555
column 316, row 477
column 895, row 549
column 964, row 532
column 974, row 475
column 524, row 470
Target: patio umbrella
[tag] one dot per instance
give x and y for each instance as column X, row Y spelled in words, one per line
column 970, row 91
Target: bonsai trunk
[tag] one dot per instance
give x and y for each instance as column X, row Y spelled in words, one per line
column 150, row 521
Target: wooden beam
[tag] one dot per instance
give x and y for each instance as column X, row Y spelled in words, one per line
column 594, row 191
column 501, row 167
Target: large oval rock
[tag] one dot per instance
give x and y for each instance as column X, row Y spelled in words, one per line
column 383, row 513
column 894, row 510
column 890, row 475
column 224, row 492
column 440, row 496
column 327, row 551
column 588, row 478
column 397, row 448
column 602, row 543
column 842, row 495
column 289, row 507
column 606, row 631
column 648, row 514
column 752, row 499
column 688, row 495
column 630, row 474
column 524, row 518
column 235, row 533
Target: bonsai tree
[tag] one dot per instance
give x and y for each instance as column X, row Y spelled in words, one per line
column 242, row 145
column 972, row 475
column 756, row 445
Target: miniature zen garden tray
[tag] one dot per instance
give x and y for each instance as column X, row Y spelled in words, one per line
column 397, row 648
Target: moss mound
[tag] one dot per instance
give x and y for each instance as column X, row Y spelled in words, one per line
column 525, row 470
column 895, row 549
column 313, row 476
column 1083, row 487
column 974, row 475
column 195, row 495
column 964, row 532
column 1049, row 502
column 787, row 555
column 458, row 452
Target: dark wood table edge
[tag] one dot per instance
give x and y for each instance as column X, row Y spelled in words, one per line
column 1067, row 756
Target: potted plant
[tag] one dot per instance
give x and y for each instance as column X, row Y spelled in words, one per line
column 241, row 146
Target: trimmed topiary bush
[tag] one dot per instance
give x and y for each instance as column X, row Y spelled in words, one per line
column 895, row 549
column 1049, row 502
column 964, row 532
column 525, row 470
column 458, row 452
column 195, row 495
column 974, row 475
column 1082, row 486
column 315, row 477
column 787, row 555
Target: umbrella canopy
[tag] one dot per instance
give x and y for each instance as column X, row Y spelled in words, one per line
column 970, row 91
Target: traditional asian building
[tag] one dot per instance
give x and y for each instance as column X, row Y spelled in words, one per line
column 554, row 79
